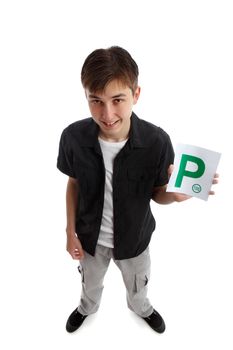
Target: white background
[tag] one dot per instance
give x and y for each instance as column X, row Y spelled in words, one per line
column 184, row 52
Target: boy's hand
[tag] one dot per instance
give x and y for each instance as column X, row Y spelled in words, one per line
column 74, row 247
column 214, row 182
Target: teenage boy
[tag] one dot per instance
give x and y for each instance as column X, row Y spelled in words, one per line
column 116, row 164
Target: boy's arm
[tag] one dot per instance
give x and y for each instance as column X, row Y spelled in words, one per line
column 162, row 197
column 73, row 246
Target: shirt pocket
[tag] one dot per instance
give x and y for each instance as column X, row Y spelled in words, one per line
column 140, row 181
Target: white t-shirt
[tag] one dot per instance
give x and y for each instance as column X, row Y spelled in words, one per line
column 109, row 150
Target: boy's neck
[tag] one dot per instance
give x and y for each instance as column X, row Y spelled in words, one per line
column 112, row 139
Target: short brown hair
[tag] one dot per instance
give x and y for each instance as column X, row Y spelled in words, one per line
column 104, row 65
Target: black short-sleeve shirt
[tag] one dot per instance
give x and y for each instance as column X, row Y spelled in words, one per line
column 140, row 166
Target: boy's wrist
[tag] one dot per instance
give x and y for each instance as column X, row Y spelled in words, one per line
column 70, row 231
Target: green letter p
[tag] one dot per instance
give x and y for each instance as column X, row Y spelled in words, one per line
column 193, row 174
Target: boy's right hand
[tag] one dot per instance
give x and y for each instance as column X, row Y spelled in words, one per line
column 74, row 247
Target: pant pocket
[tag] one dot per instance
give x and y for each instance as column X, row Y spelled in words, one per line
column 81, row 271
column 141, row 281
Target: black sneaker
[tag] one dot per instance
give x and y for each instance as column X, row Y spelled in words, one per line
column 74, row 321
column 156, row 322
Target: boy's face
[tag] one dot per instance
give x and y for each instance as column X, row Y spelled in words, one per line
column 112, row 109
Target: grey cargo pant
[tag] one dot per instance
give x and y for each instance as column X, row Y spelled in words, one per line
column 135, row 273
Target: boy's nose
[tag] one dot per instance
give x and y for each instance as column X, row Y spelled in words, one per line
column 108, row 113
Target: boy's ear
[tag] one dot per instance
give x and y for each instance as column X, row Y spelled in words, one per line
column 136, row 94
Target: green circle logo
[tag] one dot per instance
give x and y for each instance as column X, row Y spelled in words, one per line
column 196, row 188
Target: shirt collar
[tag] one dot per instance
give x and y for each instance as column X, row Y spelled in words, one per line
column 137, row 137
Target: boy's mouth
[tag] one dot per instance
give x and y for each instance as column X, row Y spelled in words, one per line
column 110, row 125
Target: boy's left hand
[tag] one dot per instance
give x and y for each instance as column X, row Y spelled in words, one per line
column 214, row 182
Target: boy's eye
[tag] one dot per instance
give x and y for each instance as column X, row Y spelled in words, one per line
column 96, row 102
column 118, row 100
